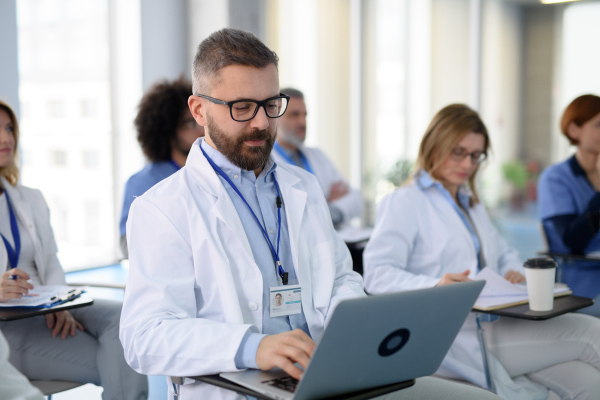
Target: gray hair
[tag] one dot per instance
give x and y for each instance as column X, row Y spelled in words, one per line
column 292, row 92
column 228, row 47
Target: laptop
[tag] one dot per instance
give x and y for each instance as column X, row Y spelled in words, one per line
column 373, row 342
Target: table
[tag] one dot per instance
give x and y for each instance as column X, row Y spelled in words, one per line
column 562, row 305
column 361, row 395
column 14, row 313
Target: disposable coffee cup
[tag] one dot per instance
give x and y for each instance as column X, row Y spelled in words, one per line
column 540, row 274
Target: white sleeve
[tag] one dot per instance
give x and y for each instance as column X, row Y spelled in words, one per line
column 350, row 205
column 13, row 384
column 387, row 253
column 160, row 331
column 347, row 283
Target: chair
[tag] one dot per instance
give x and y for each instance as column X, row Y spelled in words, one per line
column 560, row 258
column 48, row 388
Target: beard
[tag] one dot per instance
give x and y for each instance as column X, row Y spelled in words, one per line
column 291, row 137
column 237, row 152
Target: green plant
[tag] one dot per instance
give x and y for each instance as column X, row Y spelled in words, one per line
column 516, row 173
column 399, row 172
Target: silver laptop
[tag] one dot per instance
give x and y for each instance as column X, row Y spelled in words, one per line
column 374, row 341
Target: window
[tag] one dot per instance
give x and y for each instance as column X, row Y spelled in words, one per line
column 90, row 159
column 64, row 71
column 87, row 108
column 55, row 109
column 57, row 158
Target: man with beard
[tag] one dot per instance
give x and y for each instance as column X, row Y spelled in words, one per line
column 211, row 244
column 344, row 202
column 165, row 130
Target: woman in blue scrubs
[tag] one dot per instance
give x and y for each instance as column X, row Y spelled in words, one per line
column 569, row 199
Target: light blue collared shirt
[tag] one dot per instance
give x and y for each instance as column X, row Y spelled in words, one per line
column 425, row 181
column 260, row 193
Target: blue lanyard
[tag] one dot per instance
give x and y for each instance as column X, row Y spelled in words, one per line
column 177, row 167
column 289, row 160
column 13, row 254
column 282, row 273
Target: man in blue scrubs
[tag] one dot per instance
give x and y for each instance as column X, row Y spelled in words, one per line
column 166, row 132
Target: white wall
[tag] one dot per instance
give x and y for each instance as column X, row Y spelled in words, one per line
column 449, row 53
column 501, row 102
column 164, row 40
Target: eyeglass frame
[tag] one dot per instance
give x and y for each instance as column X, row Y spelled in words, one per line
column 474, row 161
column 259, row 104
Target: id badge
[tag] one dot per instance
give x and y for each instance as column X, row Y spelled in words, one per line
column 285, row 300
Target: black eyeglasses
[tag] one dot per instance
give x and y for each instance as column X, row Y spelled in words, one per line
column 477, row 157
column 245, row 110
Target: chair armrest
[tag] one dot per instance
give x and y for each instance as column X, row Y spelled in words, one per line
column 567, row 256
column 99, row 284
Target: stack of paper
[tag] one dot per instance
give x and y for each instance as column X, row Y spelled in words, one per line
column 499, row 293
column 45, row 296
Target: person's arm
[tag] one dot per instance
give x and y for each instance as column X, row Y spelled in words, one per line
column 577, row 231
column 344, row 207
column 387, row 253
column 160, row 331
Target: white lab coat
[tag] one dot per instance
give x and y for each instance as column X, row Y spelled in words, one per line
column 194, row 290
column 31, row 209
column 13, row 384
column 350, row 204
column 419, row 237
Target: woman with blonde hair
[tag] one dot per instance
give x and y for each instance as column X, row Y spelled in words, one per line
column 435, row 231
column 49, row 347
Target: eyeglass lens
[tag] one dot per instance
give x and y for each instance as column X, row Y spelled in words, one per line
column 245, row 110
column 476, row 157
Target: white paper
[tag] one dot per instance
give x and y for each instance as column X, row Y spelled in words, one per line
column 498, row 291
column 40, row 295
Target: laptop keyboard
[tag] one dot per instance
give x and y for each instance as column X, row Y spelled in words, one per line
column 286, row 383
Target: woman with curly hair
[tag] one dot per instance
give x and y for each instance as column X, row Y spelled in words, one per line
column 166, row 131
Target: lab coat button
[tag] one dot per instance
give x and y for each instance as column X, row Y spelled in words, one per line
column 235, row 176
column 253, row 306
column 271, row 231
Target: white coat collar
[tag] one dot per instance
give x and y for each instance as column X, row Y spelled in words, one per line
column 23, row 212
column 294, row 199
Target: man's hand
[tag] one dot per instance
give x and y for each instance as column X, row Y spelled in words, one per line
column 338, row 190
column 514, row 276
column 62, row 320
column 283, row 350
column 14, row 288
column 451, row 278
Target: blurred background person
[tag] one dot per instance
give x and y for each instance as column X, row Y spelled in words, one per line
column 435, row 231
column 166, row 131
column 344, row 202
column 49, row 347
column 569, row 199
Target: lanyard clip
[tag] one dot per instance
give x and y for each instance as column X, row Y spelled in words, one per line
column 284, row 278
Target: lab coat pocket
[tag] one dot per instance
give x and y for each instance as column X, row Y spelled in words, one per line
column 323, row 273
